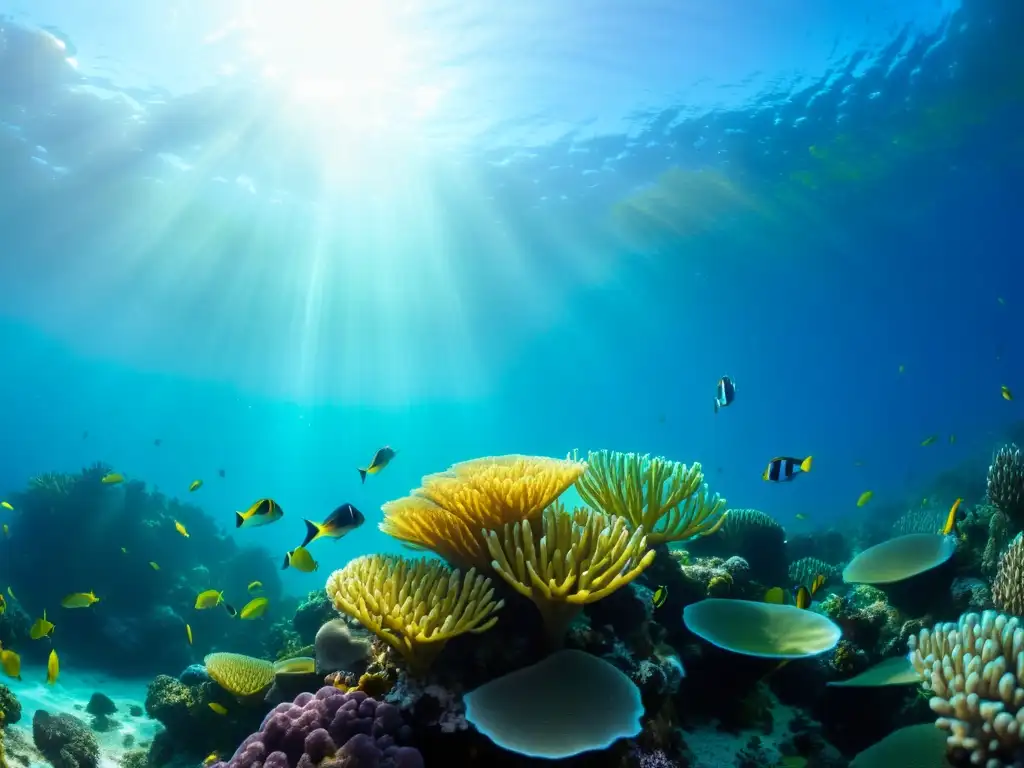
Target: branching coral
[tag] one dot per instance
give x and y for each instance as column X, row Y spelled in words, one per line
column 667, row 499
column 415, row 606
column 567, row 560
column 1008, row 585
column 449, row 513
column 1006, row 483
column 974, row 669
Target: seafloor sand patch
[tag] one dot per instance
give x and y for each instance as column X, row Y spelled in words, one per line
column 71, row 693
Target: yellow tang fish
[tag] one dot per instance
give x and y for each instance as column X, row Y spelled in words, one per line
column 41, row 628
column 262, row 512
column 112, row 478
column 300, row 559
column 802, row 598
column 188, row 633
column 929, row 440
column 180, row 529
column 6, row 505
column 864, row 498
column 154, row 566
column 380, row 459
column 660, row 596
column 10, row 662
column 52, row 668
column 1007, row 394
column 255, row 586
column 195, row 485
column 211, row 758
column 775, row 595
column 220, row 709
column 254, row 608
column 951, row 519
column 342, row 520
column 209, row 598
column 79, row 600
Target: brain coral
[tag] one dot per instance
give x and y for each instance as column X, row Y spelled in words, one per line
column 328, row 730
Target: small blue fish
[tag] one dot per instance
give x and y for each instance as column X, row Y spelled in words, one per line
column 725, row 393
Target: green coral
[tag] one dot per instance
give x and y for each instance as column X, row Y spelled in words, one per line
column 10, row 706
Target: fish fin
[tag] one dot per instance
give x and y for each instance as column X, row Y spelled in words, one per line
column 312, row 531
column 362, row 475
column 716, row 405
column 805, row 465
column 287, row 556
column 239, row 520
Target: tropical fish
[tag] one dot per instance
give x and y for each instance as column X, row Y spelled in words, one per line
column 256, row 586
column 211, row 758
column 952, row 439
column 11, row 593
column 154, row 566
column 929, row 440
column 231, row 611
column 6, row 505
column 1007, row 394
column 725, row 393
column 52, row 667
column 7, row 530
column 802, row 598
column 220, row 709
column 784, row 468
column 112, row 478
column 380, row 459
column 902, row 368
column 263, row 512
column 124, row 550
column 300, row 559
column 864, row 498
column 951, row 519
column 817, row 583
column 180, row 529
column 3, row 605
column 342, row 520
column 660, row 596
column 775, row 595
column 210, row 598
column 799, row 516
column 10, row 662
column 79, row 600
column 297, row 665
column 41, row 628
column 254, row 608
column 188, row 633
column 195, row 485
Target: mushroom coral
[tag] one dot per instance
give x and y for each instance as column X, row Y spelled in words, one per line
column 568, row 559
column 666, row 498
column 765, row 630
column 414, row 605
column 450, row 512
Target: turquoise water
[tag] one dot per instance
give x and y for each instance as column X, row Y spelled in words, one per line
column 277, row 240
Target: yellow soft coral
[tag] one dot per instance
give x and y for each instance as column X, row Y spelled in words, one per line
column 239, row 674
column 414, row 605
column 568, row 559
column 449, row 513
column 667, row 499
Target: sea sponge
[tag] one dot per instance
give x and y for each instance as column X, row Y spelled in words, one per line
column 241, row 675
column 973, row 669
column 1006, row 483
column 414, row 605
column 568, row 559
column 1008, row 585
column 449, row 513
column 666, row 498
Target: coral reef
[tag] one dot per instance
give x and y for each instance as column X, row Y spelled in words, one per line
column 1006, row 483
column 756, row 537
column 1008, row 585
column 803, row 571
column 64, row 740
column 9, row 705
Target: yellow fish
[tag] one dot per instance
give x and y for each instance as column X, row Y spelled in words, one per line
column 660, row 596
column 262, row 512
column 195, row 485
column 775, row 595
column 929, row 440
column 3, row 605
column 209, row 598
column 154, row 566
column 380, row 459
column 6, row 505
column 41, row 628
column 255, row 586
column 1007, row 394
column 220, row 709
column 254, row 608
column 800, row 516
column 864, row 498
column 211, row 758
column 300, row 559
column 951, row 520
column 10, row 662
column 79, row 600
column 803, row 598
column 818, row 583
column 180, row 529
column 188, row 633
column 341, row 521
column 52, row 667
column 112, row 478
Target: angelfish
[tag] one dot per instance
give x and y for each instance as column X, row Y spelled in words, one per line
column 725, row 393
column 380, row 460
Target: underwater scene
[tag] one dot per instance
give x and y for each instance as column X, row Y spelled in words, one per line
column 433, row 384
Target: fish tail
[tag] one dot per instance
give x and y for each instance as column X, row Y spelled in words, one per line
column 287, row 557
column 805, row 465
column 313, row 531
column 239, row 520
column 362, row 475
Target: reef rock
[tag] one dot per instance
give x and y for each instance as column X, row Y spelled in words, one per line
column 64, row 740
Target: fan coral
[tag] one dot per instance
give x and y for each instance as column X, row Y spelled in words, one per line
column 1008, row 585
column 973, row 670
column 667, row 499
column 331, row 729
column 240, row 675
column 1006, row 483
column 415, row 606
column 567, row 560
column 804, row 570
column 449, row 513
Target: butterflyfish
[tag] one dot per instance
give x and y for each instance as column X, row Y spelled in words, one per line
column 254, row 608
column 209, row 598
column 660, row 596
column 41, row 628
column 112, row 478
column 255, row 586
column 864, row 498
column 263, row 512
column 180, row 529
column 344, row 519
column 951, row 519
column 79, row 600
column 300, row 559
column 802, row 598
column 380, row 459
column 775, row 595
column 10, row 662
column 6, row 505
column 725, row 393
column 784, row 468
column 52, row 667
column 817, row 583
column 188, row 633
column 1007, row 394
column 195, row 485
column 220, row 709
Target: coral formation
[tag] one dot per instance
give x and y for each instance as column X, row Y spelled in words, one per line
column 240, row 675
column 899, row 559
column 337, row 647
column 767, row 630
column 806, row 569
column 64, row 740
column 1006, row 483
column 9, row 705
column 753, row 535
column 1008, row 585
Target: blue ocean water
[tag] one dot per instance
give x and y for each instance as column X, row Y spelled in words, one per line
column 275, row 239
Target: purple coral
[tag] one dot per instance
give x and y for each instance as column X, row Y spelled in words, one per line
column 331, row 729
